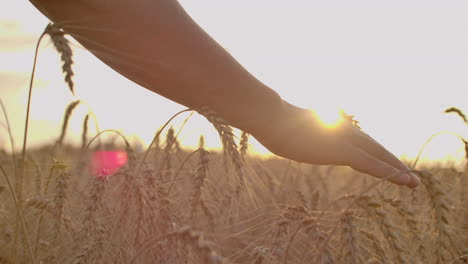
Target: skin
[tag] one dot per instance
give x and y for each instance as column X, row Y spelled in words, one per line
column 156, row 44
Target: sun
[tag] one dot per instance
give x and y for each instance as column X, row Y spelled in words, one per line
column 329, row 117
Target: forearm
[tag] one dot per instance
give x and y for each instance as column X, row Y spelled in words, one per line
column 157, row 45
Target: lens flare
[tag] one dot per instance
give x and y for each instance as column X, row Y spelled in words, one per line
column 106, row 163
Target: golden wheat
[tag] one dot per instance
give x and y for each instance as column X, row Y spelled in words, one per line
column 290, row 213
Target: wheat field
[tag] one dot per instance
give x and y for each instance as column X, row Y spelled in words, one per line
column 169, row 204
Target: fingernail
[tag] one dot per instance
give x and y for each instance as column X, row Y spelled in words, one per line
column 413, row 180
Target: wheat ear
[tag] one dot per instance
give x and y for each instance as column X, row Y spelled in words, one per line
column 349, row 236
column 374, row 209
column 60, row 196
column 199, row 180
column 440, row 206
column 227, row 138
column 244, row 145
column 196, row 240
column 412, row 222
column 66, row 119
column 458, row 112
column 84, row 133
column 94, row 201
column 62, row 45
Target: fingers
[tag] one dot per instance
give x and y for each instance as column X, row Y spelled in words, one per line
column 371, row 146
column 374, row 149
column 362, row 161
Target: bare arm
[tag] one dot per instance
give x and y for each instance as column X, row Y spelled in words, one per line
column 156, row 44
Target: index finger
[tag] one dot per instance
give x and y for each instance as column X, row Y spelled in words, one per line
column 362, row 161
column 376, row 150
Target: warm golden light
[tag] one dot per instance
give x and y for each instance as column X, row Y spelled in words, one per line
column 380, row 90
column 329, row 117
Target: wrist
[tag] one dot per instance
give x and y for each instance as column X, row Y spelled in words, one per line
column 253, row 110
column 259, row 112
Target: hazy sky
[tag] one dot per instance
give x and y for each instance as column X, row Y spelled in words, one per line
column 395, row 65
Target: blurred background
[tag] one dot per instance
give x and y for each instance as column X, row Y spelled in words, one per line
column 394, row 65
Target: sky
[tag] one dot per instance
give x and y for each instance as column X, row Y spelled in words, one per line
column 394, row 65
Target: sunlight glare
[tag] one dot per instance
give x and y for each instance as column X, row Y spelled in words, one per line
column 328, row 116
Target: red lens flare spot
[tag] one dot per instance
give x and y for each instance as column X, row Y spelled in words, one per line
column 106, row 163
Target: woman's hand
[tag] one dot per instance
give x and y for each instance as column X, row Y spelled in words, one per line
column 299, row 135
column 156, row 44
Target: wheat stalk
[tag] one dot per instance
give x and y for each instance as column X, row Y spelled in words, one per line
column 20, row 175
column 21, row 217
